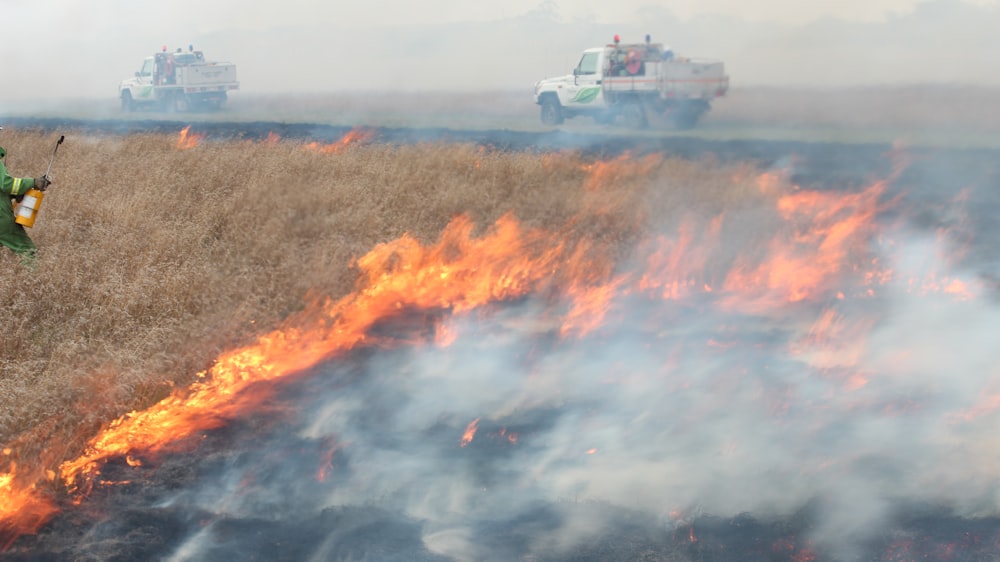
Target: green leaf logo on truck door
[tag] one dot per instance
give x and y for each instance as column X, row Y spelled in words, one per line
column 587, row 95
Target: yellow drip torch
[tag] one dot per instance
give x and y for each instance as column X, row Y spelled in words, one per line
column 27, row 209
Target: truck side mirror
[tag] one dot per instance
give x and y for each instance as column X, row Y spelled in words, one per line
column 137, row 74
column 576, row 71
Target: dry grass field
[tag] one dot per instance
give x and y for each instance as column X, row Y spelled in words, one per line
column 155, row 259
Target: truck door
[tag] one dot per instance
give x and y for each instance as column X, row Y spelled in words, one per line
column 144, row 81
column 586, row 89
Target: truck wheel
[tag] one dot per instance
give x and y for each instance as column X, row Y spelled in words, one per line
column 551, row 111
column 128, row 104
column 634, row 115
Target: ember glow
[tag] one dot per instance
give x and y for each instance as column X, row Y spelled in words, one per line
column 682, row 377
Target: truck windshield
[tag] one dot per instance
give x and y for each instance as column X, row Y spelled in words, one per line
column 588, row 64
column 147, row 68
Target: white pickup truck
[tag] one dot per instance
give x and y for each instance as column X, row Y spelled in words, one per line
column 178, row 81
column 633, row 83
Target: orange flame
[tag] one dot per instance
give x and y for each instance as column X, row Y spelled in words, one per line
column 327, row 463
column 188, row 139
column 510, row 436
column 470, row 432
column 459, row 273
column 830, row 231
column 836, row 342
column 958, row 289
column 444, row 334
column 602, row 174
column 823, row 237
column 590, row 304
column 677, row 267
column 22, row 509
column 354, row 136
column 769, row 182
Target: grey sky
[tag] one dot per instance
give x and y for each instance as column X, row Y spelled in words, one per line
column 214, row 15
column 69, row 48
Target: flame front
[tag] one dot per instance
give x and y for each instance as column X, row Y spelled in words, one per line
column 505, row 263
column 823, row 239
column 829, row 231
column 22, row 509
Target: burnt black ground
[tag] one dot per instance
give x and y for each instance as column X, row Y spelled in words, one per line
column 145, row 513
column 815, row 163
column 832, row 162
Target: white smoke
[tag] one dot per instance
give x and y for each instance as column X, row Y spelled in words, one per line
column 671, row 407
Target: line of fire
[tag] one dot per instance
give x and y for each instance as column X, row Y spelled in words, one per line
column 700, row 377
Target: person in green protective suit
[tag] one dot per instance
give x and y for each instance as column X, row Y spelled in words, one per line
column 12, row 234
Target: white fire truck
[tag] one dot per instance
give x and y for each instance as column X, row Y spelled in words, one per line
column 178, row 81
column 633, row 83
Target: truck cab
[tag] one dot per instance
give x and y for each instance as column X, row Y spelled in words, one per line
column 564, row 96
column 586, row 86
column 138, row 89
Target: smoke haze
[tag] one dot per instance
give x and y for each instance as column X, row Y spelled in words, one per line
column 677, row 408
column 855, row 406
column 77, row 49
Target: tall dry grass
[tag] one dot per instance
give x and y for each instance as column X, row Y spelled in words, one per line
column 153, row 259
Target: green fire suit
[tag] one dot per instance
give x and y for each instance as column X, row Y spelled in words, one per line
column 12, row 234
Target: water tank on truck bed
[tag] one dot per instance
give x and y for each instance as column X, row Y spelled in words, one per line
column 178, row 81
